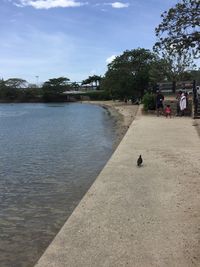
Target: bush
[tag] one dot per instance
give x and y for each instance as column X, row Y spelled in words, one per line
column 98, row 95
column 149, row 101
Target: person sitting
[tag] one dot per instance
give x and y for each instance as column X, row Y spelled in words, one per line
column 168, row 111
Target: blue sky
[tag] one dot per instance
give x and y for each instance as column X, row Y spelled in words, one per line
column 72, row 38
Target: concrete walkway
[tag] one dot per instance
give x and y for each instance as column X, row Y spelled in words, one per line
column 139, row 217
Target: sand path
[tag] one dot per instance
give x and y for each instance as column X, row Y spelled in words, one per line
column 139, row 217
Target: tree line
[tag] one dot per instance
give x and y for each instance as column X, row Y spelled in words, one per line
column 19, row 90
column 134, row 71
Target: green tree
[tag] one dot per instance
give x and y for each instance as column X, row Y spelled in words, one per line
column 177, row 65
column 159, row 71
column 53, row 88
column 128, row 74
column 74, row 86
column 179, row 29
column 58, row 84
column 8, row 91
column 3, row 89
column 195, row 75
column 16, row 83
column 96, row 79
column 93, row 81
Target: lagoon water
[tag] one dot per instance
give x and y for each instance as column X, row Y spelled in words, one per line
column 49, row 156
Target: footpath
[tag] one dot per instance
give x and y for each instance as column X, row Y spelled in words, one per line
column 139, row 217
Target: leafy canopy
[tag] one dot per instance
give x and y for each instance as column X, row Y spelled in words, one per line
column 16, row 83
column 180, row 28
column 56, row 82
column 92, row 79
column 128, row 74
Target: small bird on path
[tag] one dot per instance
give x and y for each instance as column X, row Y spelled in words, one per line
column 139, row 161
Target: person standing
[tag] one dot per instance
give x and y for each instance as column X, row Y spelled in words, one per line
column 159, row 103
column 178, row 97
column 198, row 90
column 183, row 104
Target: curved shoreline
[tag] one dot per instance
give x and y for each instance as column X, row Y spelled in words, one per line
column 123, row 113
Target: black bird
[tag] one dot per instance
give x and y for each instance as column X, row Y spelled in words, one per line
column 139, row 161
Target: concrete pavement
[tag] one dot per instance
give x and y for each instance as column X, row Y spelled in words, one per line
column 139, row 217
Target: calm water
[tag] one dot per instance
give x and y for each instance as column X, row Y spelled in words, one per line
column 49, row 156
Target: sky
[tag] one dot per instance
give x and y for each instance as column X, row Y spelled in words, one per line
column 44, row 39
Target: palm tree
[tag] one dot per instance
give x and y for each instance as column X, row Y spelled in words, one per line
column 91, row 80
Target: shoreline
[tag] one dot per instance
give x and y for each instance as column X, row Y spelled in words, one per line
column 123, row 113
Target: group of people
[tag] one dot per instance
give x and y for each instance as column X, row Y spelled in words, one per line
column 182, row 104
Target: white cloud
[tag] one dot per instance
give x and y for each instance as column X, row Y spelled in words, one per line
column 118, row 5
column 46, row 4
column 110, row 59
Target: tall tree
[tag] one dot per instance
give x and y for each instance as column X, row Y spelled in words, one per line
column 56, row 83
column 74, row 86
column 16, row 83
column 180, row 28
column 196, row 75
column 95, row 79
column 128, row 74
column 177, row 64
column 3, row 88
column 159, row 71
column 53, row 88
